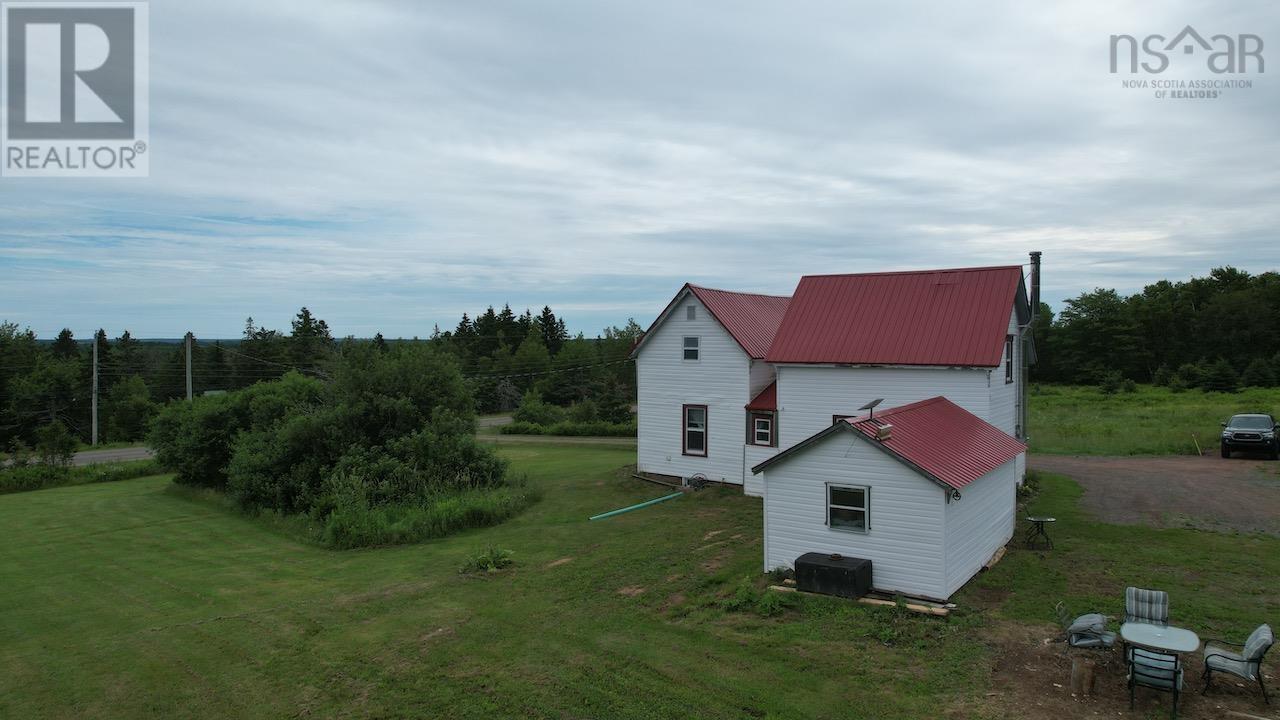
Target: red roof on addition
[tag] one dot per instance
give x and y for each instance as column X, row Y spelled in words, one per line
column 942, row 439
column 751, row 319
column 766, row 400
column 935, row 317
column 937, row 438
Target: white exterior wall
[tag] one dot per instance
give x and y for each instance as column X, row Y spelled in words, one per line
column 979, row 523
column 905, row 539
column 808, row 395
column 753, row 484
column 1005, row 397
column 666, row 382
column 761, row 375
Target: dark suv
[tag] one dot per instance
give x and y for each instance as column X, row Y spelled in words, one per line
column 1252, row 433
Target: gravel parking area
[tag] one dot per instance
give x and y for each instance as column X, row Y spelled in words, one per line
column 1175, row 491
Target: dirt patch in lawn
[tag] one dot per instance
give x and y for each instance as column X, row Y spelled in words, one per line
column 1031, row 678
column 1209, row 493
column 631, row 591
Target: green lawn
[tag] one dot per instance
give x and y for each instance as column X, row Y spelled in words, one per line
column 130, row 600
column 1220, row 584
column 1151, row 421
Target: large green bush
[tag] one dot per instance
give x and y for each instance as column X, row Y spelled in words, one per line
column 537, row 412
column 376, row 455
column 195, row 439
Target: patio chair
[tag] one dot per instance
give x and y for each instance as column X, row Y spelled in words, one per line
column 1246, row 664
column 1146, row 606
column 1086, row 631
column 1154, row 670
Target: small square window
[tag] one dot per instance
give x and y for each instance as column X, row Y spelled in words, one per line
column 763, row 431
column 847, row 508
column 692, row 348
column 691, row 312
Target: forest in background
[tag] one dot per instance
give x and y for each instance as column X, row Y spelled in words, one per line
column 45, row 387
column 1219, row 333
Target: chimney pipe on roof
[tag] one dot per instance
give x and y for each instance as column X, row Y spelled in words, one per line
column 1035, row 283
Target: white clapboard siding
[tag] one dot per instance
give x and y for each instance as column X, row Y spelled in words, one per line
column 808, row 395
column 761, row 375
column 1004, row 396
column 979, row 523
column 753, row 484
column 666, row 382
column 904, row 542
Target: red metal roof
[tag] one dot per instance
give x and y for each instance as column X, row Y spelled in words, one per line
column 766, row 400
column 751, row 319
column 935, row 317
column 942, row 440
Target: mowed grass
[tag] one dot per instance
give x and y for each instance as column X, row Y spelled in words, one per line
column 1221, row 585
column 128, row 600
column 1152, row 421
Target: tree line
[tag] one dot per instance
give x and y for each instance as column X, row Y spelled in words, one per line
column 45, row 386
column 1218, row 332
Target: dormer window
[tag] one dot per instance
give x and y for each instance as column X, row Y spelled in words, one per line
column 691, row 312
column 692, row 348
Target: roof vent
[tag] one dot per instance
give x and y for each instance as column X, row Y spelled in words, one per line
column 884, row 432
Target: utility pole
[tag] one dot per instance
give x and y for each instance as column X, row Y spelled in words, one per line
column 94, row 439
column 188, row 367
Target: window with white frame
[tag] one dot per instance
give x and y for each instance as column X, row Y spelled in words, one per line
column 691, row 312
column 692, row 348
column 695, row 430
column 760, row 429
column 848, row 508
column 1008, row 359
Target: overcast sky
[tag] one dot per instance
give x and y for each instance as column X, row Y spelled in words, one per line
column 393, row 164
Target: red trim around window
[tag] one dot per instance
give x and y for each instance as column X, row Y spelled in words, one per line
column 684, row 430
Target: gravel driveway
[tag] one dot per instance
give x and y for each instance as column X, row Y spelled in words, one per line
column 1175, row 491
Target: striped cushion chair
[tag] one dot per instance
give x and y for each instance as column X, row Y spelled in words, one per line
column 1146, row 606
column 1245, row 663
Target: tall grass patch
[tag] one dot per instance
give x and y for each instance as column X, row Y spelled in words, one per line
column 1151, row 420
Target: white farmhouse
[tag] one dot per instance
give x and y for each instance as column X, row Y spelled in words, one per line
column 726, row 379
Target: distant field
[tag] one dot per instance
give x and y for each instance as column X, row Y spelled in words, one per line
column 1151, row 421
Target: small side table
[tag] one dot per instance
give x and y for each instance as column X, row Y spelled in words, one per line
column 1036, row 533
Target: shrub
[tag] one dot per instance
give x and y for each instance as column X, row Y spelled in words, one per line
column 33, row 477
column 598, row 428
column 1128, row 386
column 534, row 411
column 1219, row 376
column 1162, row 376
column 1258, row 374
column 39, row 477
column 584, row 411
column 1187, row 376
column 490, row 560
column 1111, row 382
column 55, row 445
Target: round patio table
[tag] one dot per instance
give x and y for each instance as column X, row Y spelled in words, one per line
column 1159, row 637
column 1036, row 532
